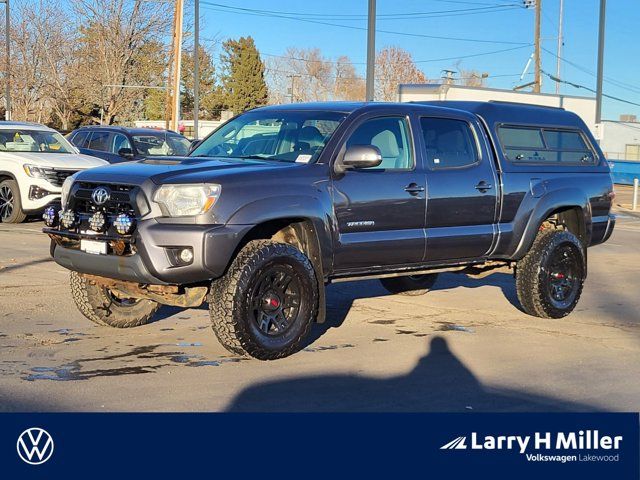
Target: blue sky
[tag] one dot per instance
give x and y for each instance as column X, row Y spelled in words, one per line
column 499, row 21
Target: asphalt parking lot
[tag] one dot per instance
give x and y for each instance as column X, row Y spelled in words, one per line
column 465, row 346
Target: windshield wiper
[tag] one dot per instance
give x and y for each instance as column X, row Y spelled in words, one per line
column 259, row 157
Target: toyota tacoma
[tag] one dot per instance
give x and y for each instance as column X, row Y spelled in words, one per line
column 282, row 200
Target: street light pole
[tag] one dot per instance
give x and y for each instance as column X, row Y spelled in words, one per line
column 603, row 7
column 560, row 41
column 7, row 72
column 371, row 51
column 196, row 67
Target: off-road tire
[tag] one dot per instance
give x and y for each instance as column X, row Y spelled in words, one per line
column 17, row 215
column 231, row 299
column 98, row 305
column 411, row 285
column 533, row 275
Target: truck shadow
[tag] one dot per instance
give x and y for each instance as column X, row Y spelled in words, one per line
column 341, row 296
column 439, row 382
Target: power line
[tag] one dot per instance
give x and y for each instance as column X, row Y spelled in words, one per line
column 245, row 11
column 461, row 57
column 577, row 85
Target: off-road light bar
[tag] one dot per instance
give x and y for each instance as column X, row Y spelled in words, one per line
column 67, row 218
column 50, row 216
column 123, row 224
column 98, row 222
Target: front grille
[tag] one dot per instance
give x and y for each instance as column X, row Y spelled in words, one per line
column 57, row 177
column 123, row 200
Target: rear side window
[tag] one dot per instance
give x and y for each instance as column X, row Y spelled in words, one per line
column 545, row 146
column 449, row 143
column 100, row 141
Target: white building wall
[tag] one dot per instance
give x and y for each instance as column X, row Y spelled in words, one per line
column 584, row 107
column 616, row 136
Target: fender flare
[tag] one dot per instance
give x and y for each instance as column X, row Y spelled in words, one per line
column 545, row 206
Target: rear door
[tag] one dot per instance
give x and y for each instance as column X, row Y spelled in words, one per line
column 100, row 145
column 380, row 211
column 462, row 188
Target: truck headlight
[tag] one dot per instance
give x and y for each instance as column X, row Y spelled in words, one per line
column 66, row 188
column 34, row 171
column 186, row 200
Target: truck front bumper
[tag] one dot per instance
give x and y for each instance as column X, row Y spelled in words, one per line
column 152, row 262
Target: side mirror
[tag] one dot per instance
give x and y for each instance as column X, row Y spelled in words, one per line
column 126, row 153
column 194, row 145
column 360, row 156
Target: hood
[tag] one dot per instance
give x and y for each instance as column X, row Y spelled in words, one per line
column 70, row 161
column 178, row 169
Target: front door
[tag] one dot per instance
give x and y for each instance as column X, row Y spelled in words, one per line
column 380, row 211
column 462, row 188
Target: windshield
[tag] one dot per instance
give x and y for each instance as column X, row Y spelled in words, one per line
column 288, row 136
column 161, row 144
column 36, row 141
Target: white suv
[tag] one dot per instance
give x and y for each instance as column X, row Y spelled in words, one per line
column 34, row 162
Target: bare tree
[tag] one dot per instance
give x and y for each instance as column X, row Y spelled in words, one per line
column 470, row 77
column 394, row 66
column 348, row 85
column 116, row 37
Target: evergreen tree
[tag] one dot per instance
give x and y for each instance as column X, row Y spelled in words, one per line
column 243, row 75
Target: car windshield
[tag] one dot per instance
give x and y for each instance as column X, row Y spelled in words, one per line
column 35, row 141
column 161, row 144
column 285, row 135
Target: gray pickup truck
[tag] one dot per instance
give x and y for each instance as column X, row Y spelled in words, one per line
column 283, row 200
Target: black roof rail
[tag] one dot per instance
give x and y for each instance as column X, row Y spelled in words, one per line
column 523, row 104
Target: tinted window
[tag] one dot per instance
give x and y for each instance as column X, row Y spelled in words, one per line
column 80, row 139
column 521, row 137
column 545, row 145
column 161, row 144
column 449, row 143
column 100, row 141
column 562, row 140
column 391, row 136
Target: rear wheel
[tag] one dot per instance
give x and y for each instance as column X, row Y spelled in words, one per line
column 550, row 277
column 10, row 204
column 105, row 307
column 410, row 285
column 266, row 303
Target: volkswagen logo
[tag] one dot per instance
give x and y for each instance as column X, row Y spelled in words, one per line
column 101, row 195
column 35, row 446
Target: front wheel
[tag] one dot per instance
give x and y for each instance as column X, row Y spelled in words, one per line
column 105, row 307
column 550, row 277
column 266, row 303
column 10, row 204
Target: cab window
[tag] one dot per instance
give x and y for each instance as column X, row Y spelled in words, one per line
column 391, row 136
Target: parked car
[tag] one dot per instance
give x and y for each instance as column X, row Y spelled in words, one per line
column 121, row 144
column 282, row 200
column 34, row 162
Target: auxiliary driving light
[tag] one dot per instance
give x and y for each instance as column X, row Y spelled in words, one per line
column 67, row 218
column 97, row 222
column 50, row 216
column 123, row 224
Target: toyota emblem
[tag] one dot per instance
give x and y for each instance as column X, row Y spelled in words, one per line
column 100, row 196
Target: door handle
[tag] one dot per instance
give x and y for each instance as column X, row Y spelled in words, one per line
column 483, row 186
column 413, row 189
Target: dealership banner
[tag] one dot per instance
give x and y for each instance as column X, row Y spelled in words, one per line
column 261, row 446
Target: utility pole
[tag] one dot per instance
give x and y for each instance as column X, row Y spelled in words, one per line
column 560, row 42
column 196, row 67
column 292, row 88
column 538, row 65
column 177, row 62
column 371, row 50
column 603, row 7
column 7, row 72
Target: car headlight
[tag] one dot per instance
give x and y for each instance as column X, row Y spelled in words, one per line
column 186, row 200
column 34, row 171
column 66, row 188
